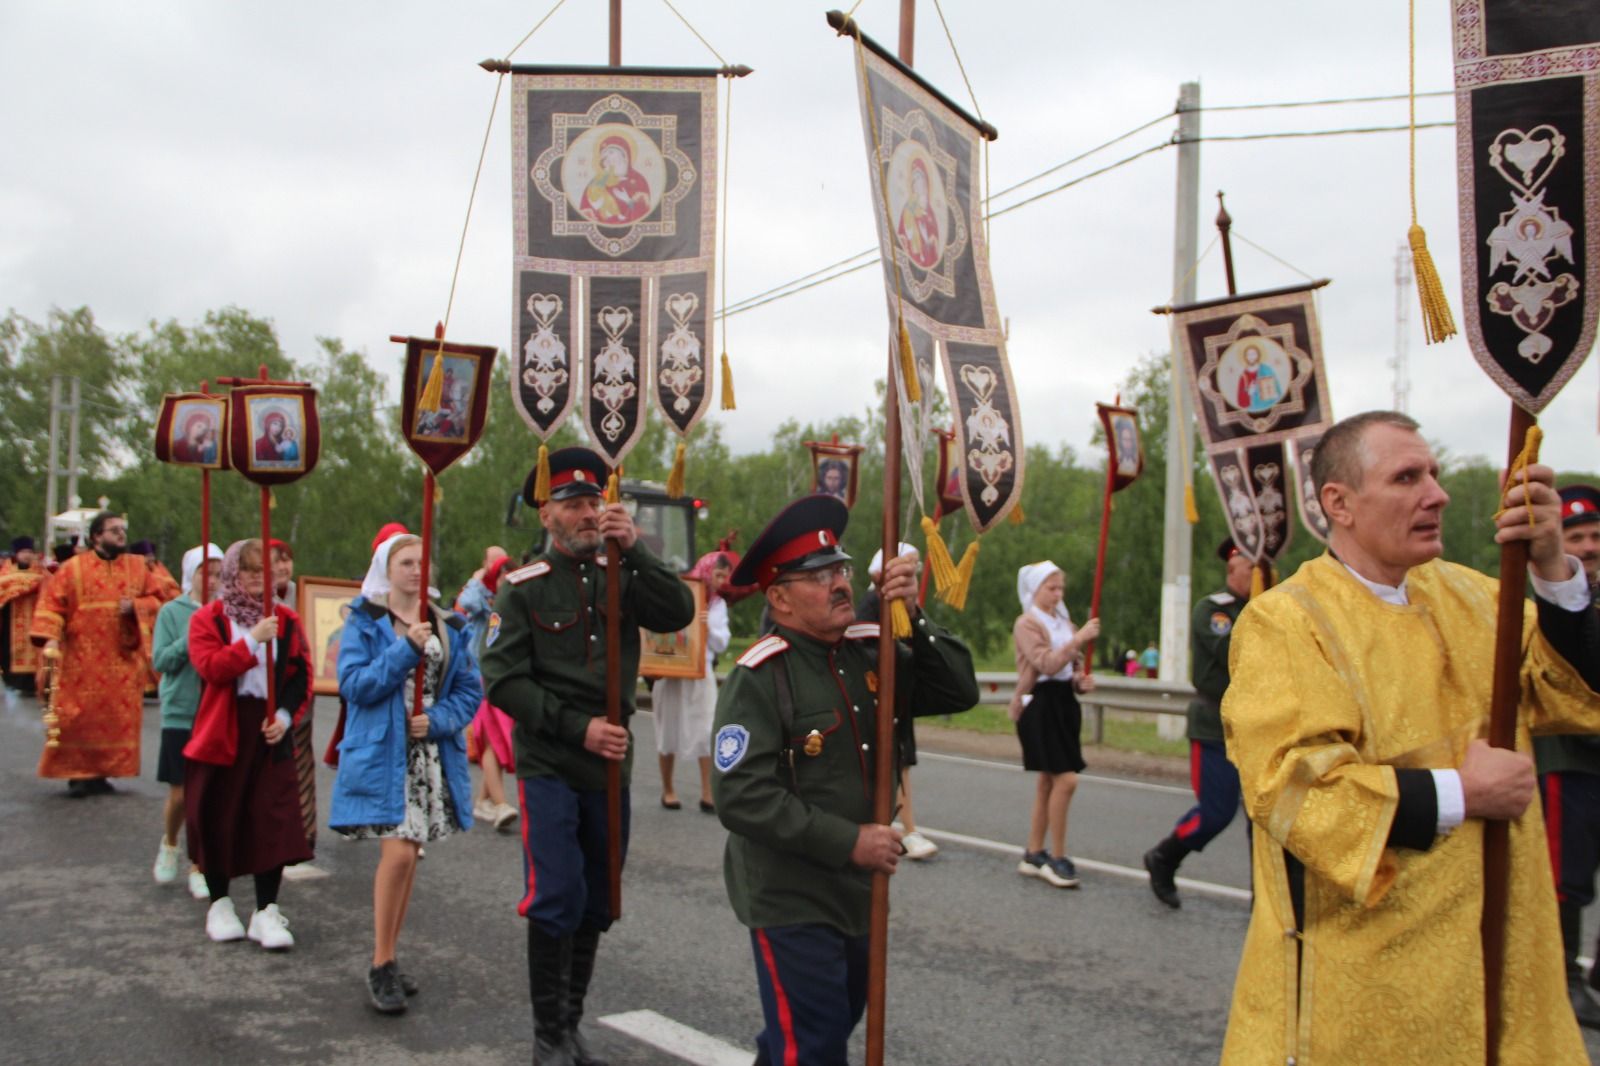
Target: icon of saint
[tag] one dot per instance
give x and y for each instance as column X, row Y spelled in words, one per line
column 618, row 194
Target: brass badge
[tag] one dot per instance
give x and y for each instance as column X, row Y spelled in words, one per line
column 813, row 743
column 872, row 680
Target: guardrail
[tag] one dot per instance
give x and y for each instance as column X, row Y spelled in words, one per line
column 1141, row 695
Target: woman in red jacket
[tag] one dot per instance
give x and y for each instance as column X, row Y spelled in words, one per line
column 241, row 789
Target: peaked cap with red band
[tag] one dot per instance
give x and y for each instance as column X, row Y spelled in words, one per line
column 574, row 471
column 1579, row 504
column 804, row 536
column 1227, row 549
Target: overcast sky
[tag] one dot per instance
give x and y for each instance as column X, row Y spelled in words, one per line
column 311, row 162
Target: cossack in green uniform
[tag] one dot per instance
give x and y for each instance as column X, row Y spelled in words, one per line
column 1210, row 630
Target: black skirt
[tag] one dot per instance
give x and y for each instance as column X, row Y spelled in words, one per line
column 244, row 818
column 1049, row 729
column 170, row 763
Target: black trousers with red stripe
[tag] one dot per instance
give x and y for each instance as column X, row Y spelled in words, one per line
column 813, row 982
column 1216, row 786
column 1572, row 826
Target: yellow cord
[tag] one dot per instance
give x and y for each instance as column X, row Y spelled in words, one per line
column 1437, row 322
column 696, row 32
column 727, row 141
column 535, row 29
column 1519, row 466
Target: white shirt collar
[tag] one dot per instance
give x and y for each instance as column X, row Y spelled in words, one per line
column 1395, row 594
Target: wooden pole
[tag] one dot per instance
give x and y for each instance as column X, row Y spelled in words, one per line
column 1503, row 734
column 266, row 586
column 1100, row 558
column 205, row 515
column 614, row 631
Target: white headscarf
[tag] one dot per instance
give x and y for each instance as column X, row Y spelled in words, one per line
column 191, row 564
column 1029, row 580
column 375, row 586
column 875, row 567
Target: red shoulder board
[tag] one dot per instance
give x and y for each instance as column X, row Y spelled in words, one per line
column 524, row 573
column 862, row 631
column 762, row 650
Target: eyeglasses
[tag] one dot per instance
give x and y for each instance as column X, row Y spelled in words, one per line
column 825, row 575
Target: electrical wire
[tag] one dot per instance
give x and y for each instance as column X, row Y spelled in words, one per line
column 1290, row 134
column 1323, row 103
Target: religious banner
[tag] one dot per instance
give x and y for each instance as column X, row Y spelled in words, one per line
column 442, row 429
column 192, row 430
column 926, row 157
column 1255, row 367
column 274, row 436
column 614, row 193
column 1126, row 457
column 1303, row 450
column 834, row 468
column 1528, row 157
column 948, row 479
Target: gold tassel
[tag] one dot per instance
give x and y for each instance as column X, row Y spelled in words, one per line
column 899, row 619
column 1190, row 511
column 541, row 477
column 272, row 500
column 956, row 598
column 1437, row 322
column 1257, row 584
column 675, row 479
column 613, row 489
column 940, row 564
column 433, row 392
column 1016, row 517
column 438, row 493
column 727, row 385
column 908, row 366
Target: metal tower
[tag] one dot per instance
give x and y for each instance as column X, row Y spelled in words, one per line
column 1402, row 326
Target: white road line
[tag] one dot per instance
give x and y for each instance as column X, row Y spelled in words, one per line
column 1096, row 778
column 1205, row 887
column 677, row 1039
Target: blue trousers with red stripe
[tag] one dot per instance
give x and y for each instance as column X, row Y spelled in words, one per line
column 566, row 883
column 1216, row 786
column 1572, row 826
column 813, row 982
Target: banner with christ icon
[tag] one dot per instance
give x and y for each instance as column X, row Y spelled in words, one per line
column 835, row 468
column 443, row 427
column 614, row 193
column 1528, row 157
column 926, row 166
column 1126, row 458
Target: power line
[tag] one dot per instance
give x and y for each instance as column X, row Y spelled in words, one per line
column 1287, row 134
column 1327, row 103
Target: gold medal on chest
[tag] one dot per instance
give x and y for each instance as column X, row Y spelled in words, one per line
column 872, row 680
column 813, row 743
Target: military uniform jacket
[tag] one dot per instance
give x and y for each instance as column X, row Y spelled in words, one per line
column 1572, row 753
column 544, row 658
column 787, row 859
column 1210, row 632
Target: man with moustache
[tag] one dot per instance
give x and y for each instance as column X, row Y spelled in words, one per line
column 90, row 613
column 1360, row 690
column 1569, row 778
column 544, row 663
column 21, row 578
column 794, row 755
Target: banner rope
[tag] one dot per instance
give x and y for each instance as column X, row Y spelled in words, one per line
column 696, row 32
column 536, row 26
column 1437, row 322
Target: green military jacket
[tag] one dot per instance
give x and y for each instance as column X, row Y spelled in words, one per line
column 787, row 859
column 1210, row 633
column 1569, row 753
column 544, row 658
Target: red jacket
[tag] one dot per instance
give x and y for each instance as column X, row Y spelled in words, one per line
column 220, row 663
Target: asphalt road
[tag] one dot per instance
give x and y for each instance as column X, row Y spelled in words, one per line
column 103, row 965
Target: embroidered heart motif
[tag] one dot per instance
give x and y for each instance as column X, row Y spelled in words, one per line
column 681, row 306
column 1533, row 154
column 544, row 306
column 1267, row 473
column 980, row 379
column 616, row 320
column 1230, row 474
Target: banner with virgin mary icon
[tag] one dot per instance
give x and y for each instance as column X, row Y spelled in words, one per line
column 613, row 192
column 192, row 430
column 274, row 436
column 443, row 430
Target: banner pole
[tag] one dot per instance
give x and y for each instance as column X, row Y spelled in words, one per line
column 205, row 515
column 266, row 589
column 1100, row 557
column 614, row 622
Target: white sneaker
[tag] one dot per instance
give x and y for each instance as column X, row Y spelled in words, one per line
column 484, row 811
column 197, row 885
column 166, row 868
column 270, row 929
column 222, row 923
column 505, row 817
column 918, row 846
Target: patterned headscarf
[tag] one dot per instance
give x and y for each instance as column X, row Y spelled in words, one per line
column 702, row 571
column 243, row 608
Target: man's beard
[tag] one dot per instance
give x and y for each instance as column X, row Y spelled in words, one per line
column 109, row 551
column 568, row 542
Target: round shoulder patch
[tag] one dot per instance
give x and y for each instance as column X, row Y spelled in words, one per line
column 1221, row 623
column 731, row 744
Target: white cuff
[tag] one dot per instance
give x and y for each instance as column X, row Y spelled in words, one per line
column 1452, row 801
column 252, row 645
column 1569, row 595
column 284, row 718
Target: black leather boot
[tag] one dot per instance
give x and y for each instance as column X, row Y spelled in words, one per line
column 1584, row 1007
column 547, row 981
column 1162, row 862
column 585, row 946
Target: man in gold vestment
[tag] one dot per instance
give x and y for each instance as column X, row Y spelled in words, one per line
column 89, row 610
column 1361, row 687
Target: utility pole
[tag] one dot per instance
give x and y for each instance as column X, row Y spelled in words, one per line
column 1402, row 327
column 51, row 471
column 72, row 444
column 1176, row 544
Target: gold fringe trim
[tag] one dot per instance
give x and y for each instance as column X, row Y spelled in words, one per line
column 899, row 619
column 908, row 366
column 1190, row 511
column 541, row 477
column 940, row 564
column 727, row 385
column 1016, row 517
column 433, row 392
column 613, row 489
column 1257, row 584
column 675, row 479
column 1437, row 322
column 956, row 598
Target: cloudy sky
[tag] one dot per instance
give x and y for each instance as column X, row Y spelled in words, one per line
column 311, row 162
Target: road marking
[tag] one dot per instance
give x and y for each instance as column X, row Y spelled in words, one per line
column 677, row 1039
column 1096, row 778
column 1204, row 887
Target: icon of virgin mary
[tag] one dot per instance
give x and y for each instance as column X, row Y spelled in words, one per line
column 618, row 194
column 917, row 227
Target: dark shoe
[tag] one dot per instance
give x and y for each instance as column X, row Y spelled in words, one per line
column 408, row 984
column 78, row 788
column 548, row 961
column 1583, row 1004
column 1163, row 876
column 1060, row 872
column 1032, row 862
column 707, row 807
column 581, row 1054
column 383, row 989
column 671, row 805
column 99, row 786
column 585, row 947
column 556, row 1054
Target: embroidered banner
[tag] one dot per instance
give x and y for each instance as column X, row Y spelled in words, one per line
column 1302, row 450
column 192, row 430
column 613, row 196
column 835, row 468
column 1528, row 159
column 926, row 164
column 443, row 435
column 1122, row 440
column 274, row 436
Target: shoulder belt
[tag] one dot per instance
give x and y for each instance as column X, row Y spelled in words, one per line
column 762, row 650
column 525, row 573
column 1222, row 598
column 862, row 631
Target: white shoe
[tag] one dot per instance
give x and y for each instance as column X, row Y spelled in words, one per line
column 197, row 885
column 270, row 929
column 505, row 816
column 484, row 811
column 918, row 846
column 222, row 923
column 166, row 868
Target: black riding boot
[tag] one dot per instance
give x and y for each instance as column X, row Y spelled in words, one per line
column 547, row 980
column 585, row 945
column 1162, row 862
column 1584, row 1007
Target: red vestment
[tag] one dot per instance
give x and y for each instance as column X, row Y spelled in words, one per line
column 19, row 595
